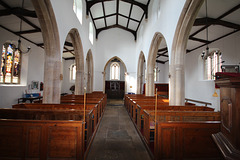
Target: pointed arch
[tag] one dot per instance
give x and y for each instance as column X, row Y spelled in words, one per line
column 89, row 63
column 79, row 60
column 176, row 68
column 140, row 72
column 157, row 38
column 105, row 67
column 51, row 40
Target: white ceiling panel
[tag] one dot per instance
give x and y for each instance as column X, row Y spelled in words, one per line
column 111, row 20
column 137, row 13
column 67, row 55
column 97, row 10
column 124, row 8
column 193, row 44
column 132, row 25
column 122, row 21
column 35, row 37
column 100, row 23
column 110, row 7
column 233, row 18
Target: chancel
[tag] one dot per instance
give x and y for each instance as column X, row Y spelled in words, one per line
column 119, row 79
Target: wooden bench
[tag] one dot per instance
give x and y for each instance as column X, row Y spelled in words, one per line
column 186, row 140
column 166, row 116
column 139, row 117
column 41, row 139
column 43, row 114
column 89, row 107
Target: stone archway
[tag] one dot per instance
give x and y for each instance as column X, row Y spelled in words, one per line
column 151, row 63
column 176, row 67
column 104, row 72
column 52, row 65
column 89, row 63
column 140, row 72
column 79, row 60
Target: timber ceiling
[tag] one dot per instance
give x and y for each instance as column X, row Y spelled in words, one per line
column 222, row 20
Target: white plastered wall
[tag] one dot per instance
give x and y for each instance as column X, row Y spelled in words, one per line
column 198, row 88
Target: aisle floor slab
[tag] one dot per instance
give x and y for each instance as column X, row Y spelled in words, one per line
column 117, row 138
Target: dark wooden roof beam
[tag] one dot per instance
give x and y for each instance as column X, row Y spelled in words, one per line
column 162, row 49
column 20, row 36
column 18, row 11
column 116, row 26
column 104, row 14
column 110, row 15
column 129, row 18
column 220, row 17
column 212, row 21
column 28, row 31
column 198, row 39
column 228, row 34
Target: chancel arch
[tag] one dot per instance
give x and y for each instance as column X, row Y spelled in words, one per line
column 52, row 63
column 176, row 67
column 107, row 79
column 89, row 65
column 141, row 73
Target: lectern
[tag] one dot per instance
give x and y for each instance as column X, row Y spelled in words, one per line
column 228, row 139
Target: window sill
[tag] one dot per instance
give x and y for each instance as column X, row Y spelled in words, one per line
column 12, row 85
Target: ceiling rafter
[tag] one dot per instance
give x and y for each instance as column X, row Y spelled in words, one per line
column 130, row 12
column 115, row 26
column 130, row 25
column 19, row 35
column 212, row 21
column 228, row 34
column 19, row 16
column 104, row 14
column 18, row 11
column 28, row 31
column 220, row 17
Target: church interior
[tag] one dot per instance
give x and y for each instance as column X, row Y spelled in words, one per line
column 119, row 79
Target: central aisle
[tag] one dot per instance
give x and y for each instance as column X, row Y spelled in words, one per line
column 117, row 138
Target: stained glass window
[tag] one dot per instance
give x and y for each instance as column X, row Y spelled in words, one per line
column 10, row 64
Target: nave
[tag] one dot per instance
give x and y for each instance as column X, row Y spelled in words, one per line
column 117, row 137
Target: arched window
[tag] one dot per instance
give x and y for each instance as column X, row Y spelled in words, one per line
column 73, row 72
column 10, row 64
column 212, row 63
column 77, row 8
column 115, row 71
column 91, row 32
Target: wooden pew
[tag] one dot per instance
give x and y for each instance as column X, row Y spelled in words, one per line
column 43, row 114
column 41, row 139
column 139, row 116
column 89, row 107
column 99, row 103
column 166, row 116
column 186, row 140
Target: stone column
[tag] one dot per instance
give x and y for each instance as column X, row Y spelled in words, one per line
column 177, row 85
column 52, row 80
column 79, row 82
column 150, row 84
column 104, row 78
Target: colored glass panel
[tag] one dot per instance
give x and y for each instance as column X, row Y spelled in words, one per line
column 9, row 61
column 16, row 67
column 2, row 65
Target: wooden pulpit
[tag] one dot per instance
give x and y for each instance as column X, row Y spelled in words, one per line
column 228, row 140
